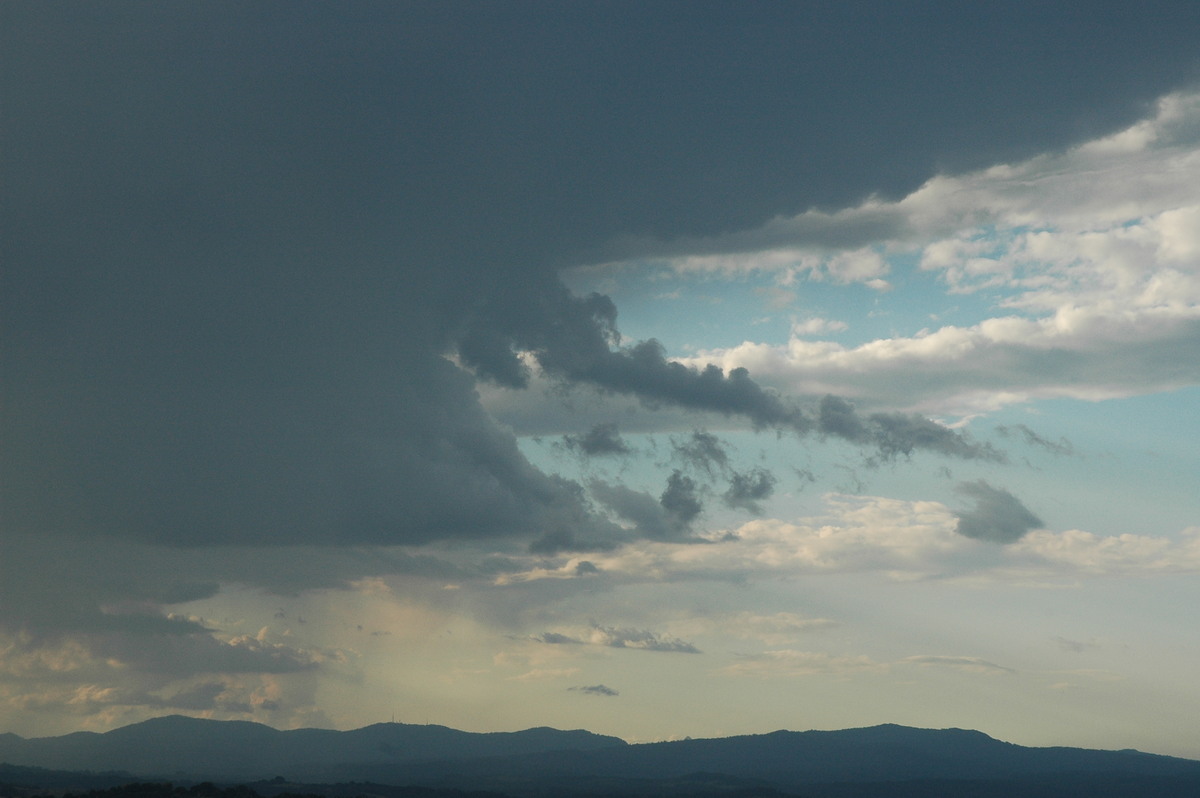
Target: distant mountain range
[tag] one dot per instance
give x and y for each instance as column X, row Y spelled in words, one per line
column 539, row 762
column 178, row 745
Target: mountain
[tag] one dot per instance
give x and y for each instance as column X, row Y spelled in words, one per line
column 794, row 761
column 881, row 760
column 177, row 745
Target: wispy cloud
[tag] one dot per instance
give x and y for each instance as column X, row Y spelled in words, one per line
column 791, row 663
column 969, row 664
column 541, row 674
column 595, row 689
column 1060, row 448
column 614, row 637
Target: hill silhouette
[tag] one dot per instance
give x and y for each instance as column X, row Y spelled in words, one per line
column 197, row 747
column 794, row 761
column 852, row 763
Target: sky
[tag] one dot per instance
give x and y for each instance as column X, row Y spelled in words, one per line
column 661, row 369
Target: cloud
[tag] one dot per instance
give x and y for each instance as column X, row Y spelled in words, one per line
column 898, row 539
column 968, row 664
column 616, row 637
column 595, row 689
column 179, row 654
column 249, row 305
column 204, row 696
column 997, row 517
column 1079, row 552
column 746, row 490
column 792, row 663
column 858, row 534
column 244, row 365
column 111, row 676
column 1090, row 256
column 572, row 568
column 1079, row 352
column 669, row 518
column 600, row 440
column 1075, row 646
column 573, row 340
column 121, row 587
column 857, row 266
column 640, row 639
column 1060, row 448
column 855, row 534
column 644, row 370
column 680, row 499
column 702, row 451
column 816, row 326
column 899, row 434
column 112, row 704
column 772, row 630
column 539, row 674
column 94, row 699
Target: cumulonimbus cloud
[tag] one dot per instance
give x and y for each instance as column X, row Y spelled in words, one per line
column 237, row 284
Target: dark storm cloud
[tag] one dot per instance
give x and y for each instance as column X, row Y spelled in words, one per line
column 600, row 440
column 182, row 656
column 202, row 696
column 241, row 239
column 160, row 648
column 997, row 517
column 747, row 489
column 1059, row 448
column 573, row 340
column 595, row 689
column 94, row 577
column 147, row 625
column 894, row 435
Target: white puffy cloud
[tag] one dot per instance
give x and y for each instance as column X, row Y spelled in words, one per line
column 1088, row 553
column 816, row 325
column 857, row 266
column 1091, row 256
column 902, row 540
column 1089, row 352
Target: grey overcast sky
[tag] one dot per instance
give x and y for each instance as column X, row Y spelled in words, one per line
column 834, row 361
